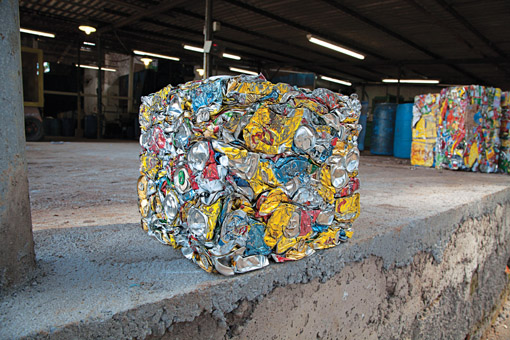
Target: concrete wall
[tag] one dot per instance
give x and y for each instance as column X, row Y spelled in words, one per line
column 427, row 261
column 425, row 299
column 16, row 243
column 442, row 277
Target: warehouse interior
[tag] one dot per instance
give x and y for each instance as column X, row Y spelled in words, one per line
column 430, row 252
column 453, row 42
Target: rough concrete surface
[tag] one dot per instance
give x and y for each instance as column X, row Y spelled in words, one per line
column 17, row 257
column 500, row 329
column 426, row 261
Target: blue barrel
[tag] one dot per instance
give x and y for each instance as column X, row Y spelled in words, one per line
column 403, row 131
column 381, row 142
column 363, row 122
column 90, row 127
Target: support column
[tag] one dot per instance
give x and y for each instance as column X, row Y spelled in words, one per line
column 207, row 37
column 79, row 112
column 17, row 256
column 130, row 85
column 99, row 87
column 398, row 83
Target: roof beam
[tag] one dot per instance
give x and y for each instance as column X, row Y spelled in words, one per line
column 247, row 45
column 433, row 18
column 396, row 35
column 379, row 27
column 448, row 7
column 301, row 27
column 152, row 11
column 143, row 36
column 164, row 37
column 259, row 35
column 459, row 61
column 124, row 4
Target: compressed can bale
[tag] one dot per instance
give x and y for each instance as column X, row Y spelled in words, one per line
column 425, row 117
column 469, row 128
column 504, row 155
column 451, row 128
column 235, row 170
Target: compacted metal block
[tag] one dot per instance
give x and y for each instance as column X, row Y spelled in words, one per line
column 235, row 170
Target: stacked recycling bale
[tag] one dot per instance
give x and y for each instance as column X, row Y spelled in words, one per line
column 237, row 169
column 484, row 121
column 468, row 128
column 424, row 125
column 504, row 158
column 451, row 128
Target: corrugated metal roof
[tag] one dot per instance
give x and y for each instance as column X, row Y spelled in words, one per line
column 458, row 41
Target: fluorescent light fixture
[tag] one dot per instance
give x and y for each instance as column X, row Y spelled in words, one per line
column 411, row 81
column 231, row 56
column 162, row 56
column 242, row 70
column 453, row 85
column 338, row 81
column 87, row 29
column 92, row 67
column 193, row 48
column 89, row 43
column 334, row 47
column 156, row 55
column 42, row 34
column 201, row 50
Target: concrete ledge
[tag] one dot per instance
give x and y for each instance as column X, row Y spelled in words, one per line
column 426, row 262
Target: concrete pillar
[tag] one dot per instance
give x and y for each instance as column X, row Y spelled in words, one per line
column 131, row 83
column 208, row 34
column 17, row 256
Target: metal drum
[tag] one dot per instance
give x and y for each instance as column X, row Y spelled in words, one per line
column 403, row 131
column 381, row 142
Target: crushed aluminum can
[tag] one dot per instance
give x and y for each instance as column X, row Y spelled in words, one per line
column 237, row 170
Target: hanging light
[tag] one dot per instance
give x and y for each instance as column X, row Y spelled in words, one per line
column 193, row 48
column 42, row 34
column 334, row 47
column 242, row 70
column 338, row 81
column 146, row 61
column 155, row 55
column 92, row 67
column 411, row 81
column 231, row 56
column 87, row 29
